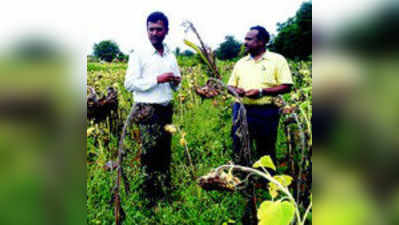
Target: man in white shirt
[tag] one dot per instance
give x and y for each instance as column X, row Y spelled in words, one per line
column 152, row 76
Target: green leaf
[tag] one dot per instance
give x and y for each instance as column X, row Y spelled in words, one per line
column 198, row 50
column 266, row 162
column 276, row 213
column 273, row 190
column 284, row 180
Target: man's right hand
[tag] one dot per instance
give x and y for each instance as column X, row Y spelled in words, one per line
column 166, row 77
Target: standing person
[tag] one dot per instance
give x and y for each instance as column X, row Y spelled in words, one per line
column 152, row 76
column 257, row 77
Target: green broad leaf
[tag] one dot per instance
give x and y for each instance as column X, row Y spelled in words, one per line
column 266, row 162
column 284, row 180
column 276, row 213
column 273, row 190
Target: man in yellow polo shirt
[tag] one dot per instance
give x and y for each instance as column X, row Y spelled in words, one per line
column 257, row 77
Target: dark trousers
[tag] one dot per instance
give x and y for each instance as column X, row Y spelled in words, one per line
column 156, row 150
column 262, row 126
column 263, row 122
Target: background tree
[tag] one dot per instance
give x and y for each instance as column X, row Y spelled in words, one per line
column 294, row 38
column 187, row 53
column 106, row 50
column 228, row 49
column 177, row 51
column 122, row 57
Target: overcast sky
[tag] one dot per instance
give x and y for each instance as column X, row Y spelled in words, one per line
column 214, row 19
column 89, row 22
column 81, row 24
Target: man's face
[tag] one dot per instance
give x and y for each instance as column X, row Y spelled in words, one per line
column 252, row 44
column 156, row 32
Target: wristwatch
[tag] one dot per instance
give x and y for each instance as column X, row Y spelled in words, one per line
column 260, row 91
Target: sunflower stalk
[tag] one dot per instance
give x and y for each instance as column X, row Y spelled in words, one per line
column 300, row 220
column 205, row 52
column 245, row 150
column 302, row 146
column 116, row 198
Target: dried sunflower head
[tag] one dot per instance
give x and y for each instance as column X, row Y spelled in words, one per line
column 219, row 180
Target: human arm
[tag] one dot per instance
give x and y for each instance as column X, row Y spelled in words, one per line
column 273, row 91
column 239, row 91
column 167, row 77
column 175, row 82
column 283, row 82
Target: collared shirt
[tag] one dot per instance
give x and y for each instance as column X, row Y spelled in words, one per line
column 269, row 71
column 144, row 66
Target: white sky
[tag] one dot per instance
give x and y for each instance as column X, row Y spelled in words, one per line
column 214, row 19
column 83, row 23
column 80, row 24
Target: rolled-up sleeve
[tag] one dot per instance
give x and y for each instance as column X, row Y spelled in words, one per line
column 284, row 75
column 134, row 79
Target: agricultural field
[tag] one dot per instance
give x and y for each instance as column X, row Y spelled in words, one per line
column 202, row 142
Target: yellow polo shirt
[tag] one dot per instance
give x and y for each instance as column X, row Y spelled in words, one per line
column 269, row 71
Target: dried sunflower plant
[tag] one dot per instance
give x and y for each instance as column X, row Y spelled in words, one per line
column 282, row 209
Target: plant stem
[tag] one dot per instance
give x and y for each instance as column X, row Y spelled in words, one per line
column 308, row 124
column 306, row 213
column 269, row 178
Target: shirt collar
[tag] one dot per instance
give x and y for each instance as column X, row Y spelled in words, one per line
column 266, row 55
column 166, row 50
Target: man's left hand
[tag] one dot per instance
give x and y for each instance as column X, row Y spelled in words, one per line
column 252, row 93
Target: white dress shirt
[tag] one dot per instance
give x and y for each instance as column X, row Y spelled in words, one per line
column 144, row 66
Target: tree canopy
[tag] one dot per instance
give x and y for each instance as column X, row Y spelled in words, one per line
column 228, row 49
column 294, row 38
column 107, row 50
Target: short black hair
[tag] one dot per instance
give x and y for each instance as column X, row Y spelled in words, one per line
column 155, row 16
column 263, row 35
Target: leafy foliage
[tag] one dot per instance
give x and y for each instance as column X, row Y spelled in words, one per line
column 276, row 213
column 265, row 161
column 294, row 38
column 205, row 127
column 283, row 180
column 106, row 50
column 122, row 57
column 229, row 49
column 188, row 53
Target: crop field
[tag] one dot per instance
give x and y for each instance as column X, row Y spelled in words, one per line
column 201, row 143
